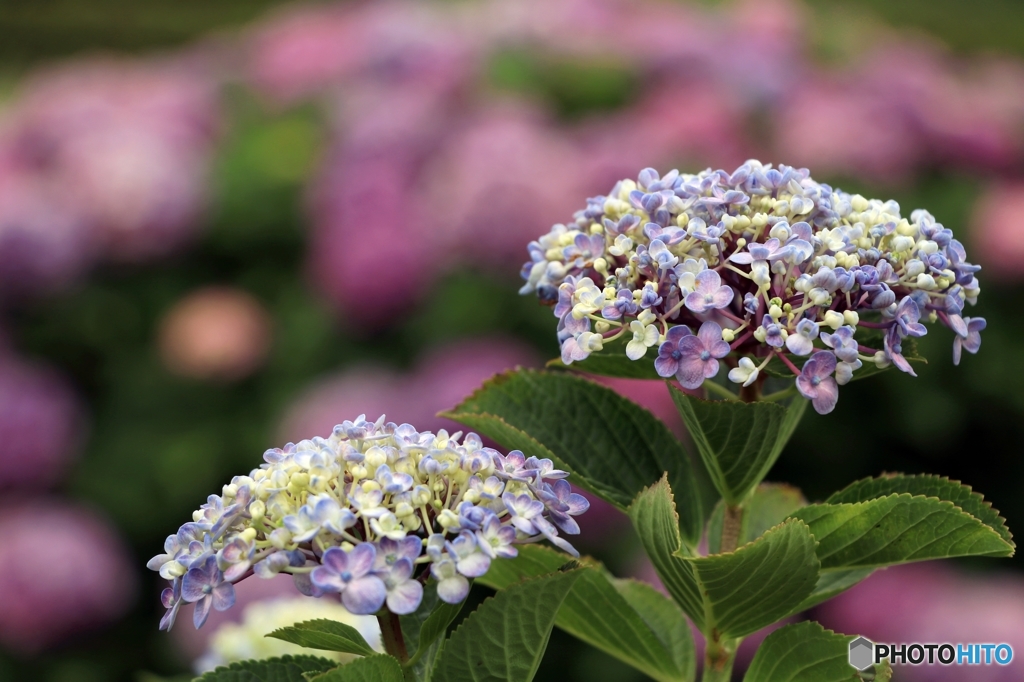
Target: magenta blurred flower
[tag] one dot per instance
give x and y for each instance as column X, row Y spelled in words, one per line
column 41, row 424
column 440, row 380
column 829, row 125
column 45, row 242
column 997, row 234
column 309, row 50
column 121, row 146
column 90, row 585
column 934, row 603
column 511, row 170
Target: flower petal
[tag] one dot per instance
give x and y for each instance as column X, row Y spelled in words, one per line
column 364, row 596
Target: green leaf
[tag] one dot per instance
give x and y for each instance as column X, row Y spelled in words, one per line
column 630, row 621
column 667, row 623
column 376, row 668
column 325, row 634
column 654, row 517
column 611, row 361
column 613, row 446
column 768, row 506
column 283, row 669
column 425, row 628
column 831, row 583
column 738, row 442
column 760, row 583
column 506, row 637
column 807, row 652
column 897, row 529
column 930, row 486
column 731, row 594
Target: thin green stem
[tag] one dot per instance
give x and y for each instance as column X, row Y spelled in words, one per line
column 732, row 521
column 718, row 660
column 720, row 391
column 780, row 395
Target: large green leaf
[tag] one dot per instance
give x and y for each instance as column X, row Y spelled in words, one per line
column 768, row 506
column 378, row 668
column 654, row 517
column 506, row 637
column 613, row 446
column 630, row 621
column 612, row 362
column 731, row 594
column 930, row 486
column 738, row 442
column 325, row 634
column 283, row 669
column 807, row 652
column 897, row 529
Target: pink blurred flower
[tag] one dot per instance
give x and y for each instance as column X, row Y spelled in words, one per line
column 62, row 570
column 666, row 127
column 305, row 51
column 997, row 234
column 371, row 253
column 448, row 374
column 215, row 333
column 934, row 603
column 123, row 146
column 503, row 175
column 441, row 379
column 835, row 128
column 41, row 425
column 45, row 243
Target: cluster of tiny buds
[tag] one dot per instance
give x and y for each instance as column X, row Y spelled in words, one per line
column 370, row 513
column 766, row 264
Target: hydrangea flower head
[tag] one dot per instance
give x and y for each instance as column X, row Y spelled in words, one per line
column 766, row 263
column 368, row 514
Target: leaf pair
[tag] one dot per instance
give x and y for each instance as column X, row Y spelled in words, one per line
column 728, row 595
column 818, row 551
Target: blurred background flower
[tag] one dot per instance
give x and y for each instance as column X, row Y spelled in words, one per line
column 225, row 226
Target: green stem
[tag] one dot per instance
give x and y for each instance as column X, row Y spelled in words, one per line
column 718, row 655
column 779, row 395
column 731, row 523
column 391, row 636
column 718, row 660
column 721, row 391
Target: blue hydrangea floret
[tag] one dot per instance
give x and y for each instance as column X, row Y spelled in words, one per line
column 368, row 514
column 750, row 266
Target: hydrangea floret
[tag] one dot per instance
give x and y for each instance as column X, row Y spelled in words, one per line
column 749, row 266
column 370, row 513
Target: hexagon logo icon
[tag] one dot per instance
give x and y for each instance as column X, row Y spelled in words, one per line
column 862, row 653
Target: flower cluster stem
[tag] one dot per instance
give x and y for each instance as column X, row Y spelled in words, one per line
column 718, row 660
column 731, row 523
column 391, row 636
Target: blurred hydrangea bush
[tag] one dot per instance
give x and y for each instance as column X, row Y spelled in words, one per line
column 356, row 183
